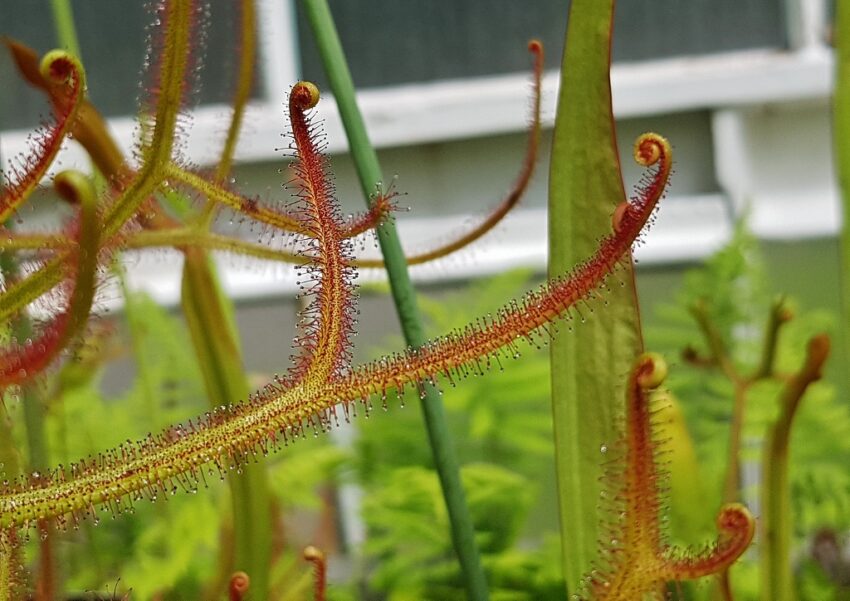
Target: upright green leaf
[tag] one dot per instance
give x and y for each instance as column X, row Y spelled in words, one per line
column 588, row 363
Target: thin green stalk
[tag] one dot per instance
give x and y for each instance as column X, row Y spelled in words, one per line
column 779, row 315
column 841, row 136
column 369, row 174
column 63, row 21
column 34, row 417
column 587, row 364
column 777, row 579
column 10, row 460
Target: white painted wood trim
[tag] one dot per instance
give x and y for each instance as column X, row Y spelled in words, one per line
column 449, row 110
column 279, row 59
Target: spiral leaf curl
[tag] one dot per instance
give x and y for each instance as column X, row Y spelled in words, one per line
column 65, row 73
column 636, row 559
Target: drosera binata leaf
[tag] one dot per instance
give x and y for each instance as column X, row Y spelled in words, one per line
column 233, row 435
column 22, row 362
column 369, row 174
column 239, row 586
column 317, row 557
column 157, row 141
column 64, row 73
column 155, row 151
column 218, row 193
column 635, row 559
column 517, row 189
column 381, row 207
column 328, row 321
column 11, row 581
column 227, row 438
column 88, row 129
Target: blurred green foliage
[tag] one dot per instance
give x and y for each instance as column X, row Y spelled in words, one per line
column 504, row 419
column 502, row 427
column 733, row 287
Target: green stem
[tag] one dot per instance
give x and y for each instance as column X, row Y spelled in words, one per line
column 732, row 480
column 34, row 416
column 714, row 340
column 369, row 173
column 841, row 137
column 63, row 21
column 9, row 460
column 777, row 581
column 779, row 314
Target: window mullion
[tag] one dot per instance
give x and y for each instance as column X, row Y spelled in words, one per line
column 279, row 54
column 806, row 24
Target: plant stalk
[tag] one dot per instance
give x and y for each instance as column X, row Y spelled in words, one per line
column 777, row 579
column 63, row 21
column 369, row 173
column 841, row 140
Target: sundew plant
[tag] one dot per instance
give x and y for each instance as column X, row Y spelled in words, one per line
column 615, row 545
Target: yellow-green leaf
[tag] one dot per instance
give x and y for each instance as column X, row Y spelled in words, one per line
column 588, row 362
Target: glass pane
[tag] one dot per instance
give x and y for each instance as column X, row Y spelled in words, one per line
column 830, row 20
column 664, row 28
column 112, row 40
column 390, row 42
